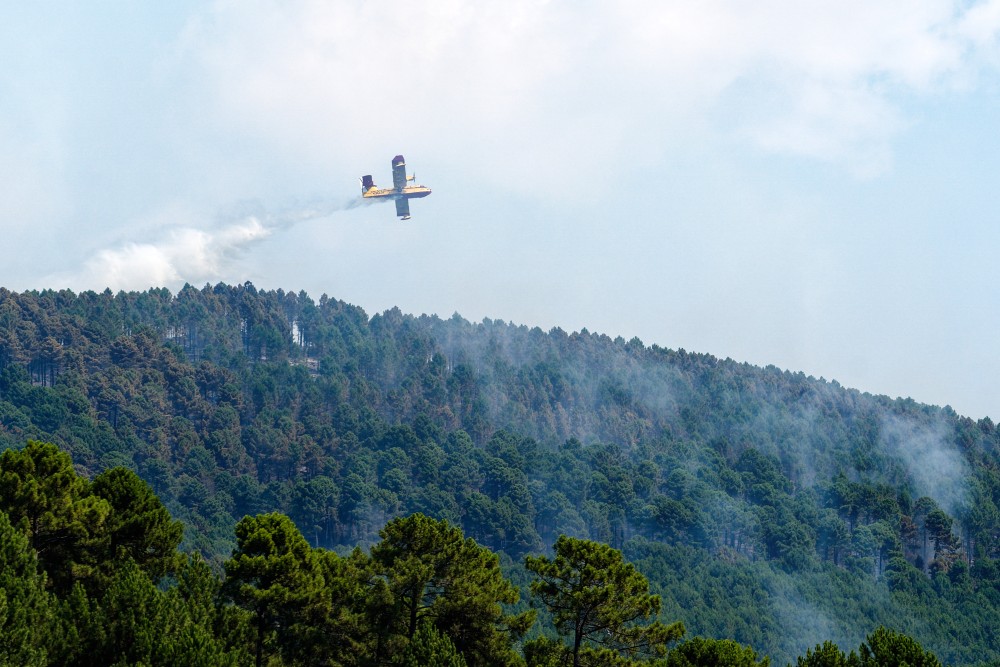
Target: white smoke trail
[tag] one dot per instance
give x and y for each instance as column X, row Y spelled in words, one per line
column 187, row 253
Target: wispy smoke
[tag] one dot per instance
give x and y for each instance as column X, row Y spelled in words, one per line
column 189, row 254
column 804, row 624
column 932, row 459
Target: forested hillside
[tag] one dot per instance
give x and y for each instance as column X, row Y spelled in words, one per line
column 764, row 506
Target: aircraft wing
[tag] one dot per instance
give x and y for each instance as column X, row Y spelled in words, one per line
column 398, row 172
column 403, row 208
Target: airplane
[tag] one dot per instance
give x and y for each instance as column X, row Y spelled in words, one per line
column 400, row 192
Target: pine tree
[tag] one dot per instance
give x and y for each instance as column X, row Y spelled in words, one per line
column 45, row 497
column 885, row 648
column 437, row 575
column 703, row 652
column 273, row 575
column 140, row 528
column 596, row 597
column 826, row 654
column 430, row 647
column 26, row 608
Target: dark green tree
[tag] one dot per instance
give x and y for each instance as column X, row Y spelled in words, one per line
column 27, row 611
column 340, row 628
column 596, row 597
column 826, row 654
column 198, row 591
column 47, row 500
column 435, row 574
column 430, row 647
column 136, row 623
column 134, row 618
column 547, row 652
column 140, row 528
column 272, row 574
column 886, row 648
column 702, row 652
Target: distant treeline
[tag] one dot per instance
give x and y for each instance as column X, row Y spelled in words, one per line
column 764, row 506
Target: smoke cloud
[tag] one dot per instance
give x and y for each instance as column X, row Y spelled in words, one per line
column 188, row 254
column 932, row 459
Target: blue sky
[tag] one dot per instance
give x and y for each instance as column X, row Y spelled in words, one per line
column 808, row 184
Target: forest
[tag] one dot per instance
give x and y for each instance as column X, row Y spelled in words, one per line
column 784, row 514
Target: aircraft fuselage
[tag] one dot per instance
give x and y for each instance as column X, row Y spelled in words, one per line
column 409, row 192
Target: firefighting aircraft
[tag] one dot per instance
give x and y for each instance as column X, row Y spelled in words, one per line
column 400, row 192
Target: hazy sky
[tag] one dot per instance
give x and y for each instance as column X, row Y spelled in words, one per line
column 801, row 183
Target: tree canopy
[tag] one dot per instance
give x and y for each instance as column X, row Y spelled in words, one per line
column 423, row 594
column 750, row 497
column 596, row 597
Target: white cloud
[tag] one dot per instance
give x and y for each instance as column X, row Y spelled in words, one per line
column 513, row 78
column 980, row 25
column 849, row 124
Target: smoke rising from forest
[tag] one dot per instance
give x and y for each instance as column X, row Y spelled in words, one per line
column 934, row 463
column 806, row 622
column 190, row 254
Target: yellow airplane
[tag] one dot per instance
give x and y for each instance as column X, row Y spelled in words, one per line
column 400, row 192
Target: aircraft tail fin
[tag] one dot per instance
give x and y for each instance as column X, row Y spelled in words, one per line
column 367, row 184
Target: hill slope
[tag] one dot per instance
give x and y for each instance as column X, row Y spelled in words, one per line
column 766, row 506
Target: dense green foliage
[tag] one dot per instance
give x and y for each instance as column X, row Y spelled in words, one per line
column 596, row 599
column 763, row 506
column 425, row 592
column 424, row 595
column 701, row 652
